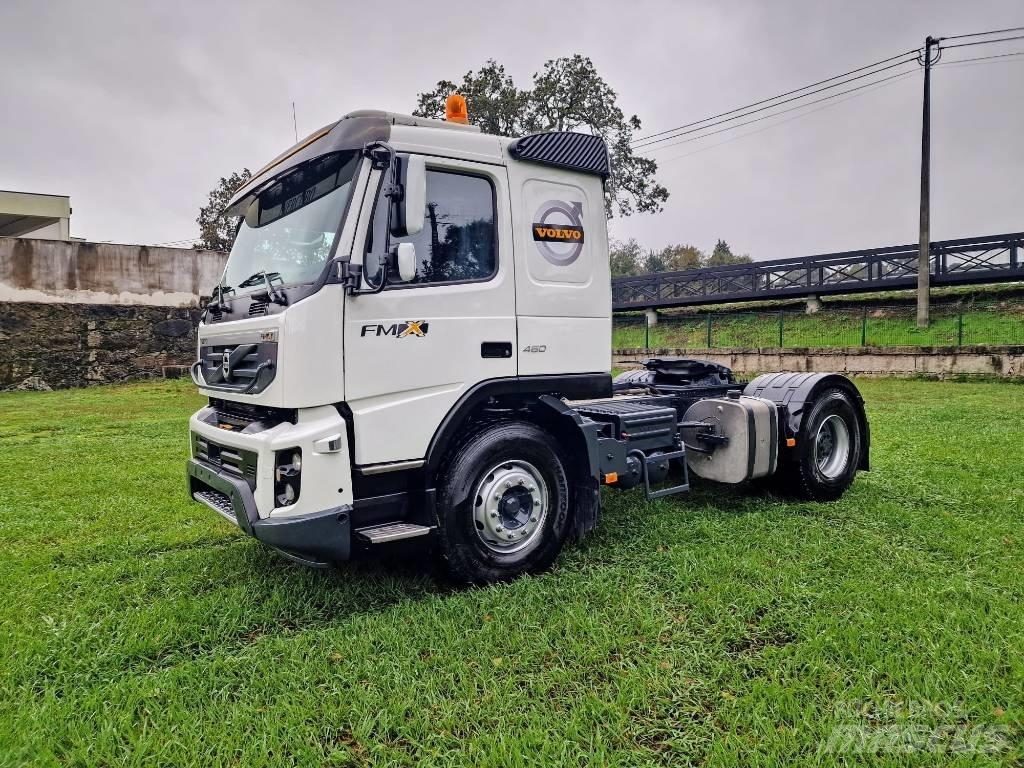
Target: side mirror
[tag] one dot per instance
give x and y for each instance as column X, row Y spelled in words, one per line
column 405, row 260
column 407, row 217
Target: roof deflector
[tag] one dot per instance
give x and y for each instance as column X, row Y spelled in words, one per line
column 564, row 149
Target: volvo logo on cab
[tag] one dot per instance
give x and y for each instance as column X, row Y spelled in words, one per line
column 558, row 231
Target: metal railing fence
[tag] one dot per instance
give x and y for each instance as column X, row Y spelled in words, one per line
column 970, row 260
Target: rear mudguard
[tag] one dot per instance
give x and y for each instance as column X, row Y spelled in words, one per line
column 798, row 391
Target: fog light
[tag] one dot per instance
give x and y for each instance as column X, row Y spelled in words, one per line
column 287, row 477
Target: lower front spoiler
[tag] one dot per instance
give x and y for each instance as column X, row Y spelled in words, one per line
column 316, row 538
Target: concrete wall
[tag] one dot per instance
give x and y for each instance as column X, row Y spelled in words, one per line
column 51, row 346
column 104, row 273
column 940, row 362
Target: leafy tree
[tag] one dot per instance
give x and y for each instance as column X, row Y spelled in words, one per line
column 680, row 257
column 625, row 257
column 217, row 230
column 654, row 261
column 723, row 255
column 567, row 95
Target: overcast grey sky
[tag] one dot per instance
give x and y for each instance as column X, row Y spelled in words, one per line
column 135, row 109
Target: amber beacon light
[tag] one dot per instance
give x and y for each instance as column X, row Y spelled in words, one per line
column 455, row 109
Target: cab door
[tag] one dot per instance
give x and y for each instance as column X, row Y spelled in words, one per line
column 414, row 349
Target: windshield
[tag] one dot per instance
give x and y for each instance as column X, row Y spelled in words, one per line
column 288, row 231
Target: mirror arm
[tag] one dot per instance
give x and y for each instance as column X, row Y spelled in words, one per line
column 355, row 272
column 382, row 157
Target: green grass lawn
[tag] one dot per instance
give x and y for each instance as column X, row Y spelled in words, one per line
column 722, row 628
column 846, row 327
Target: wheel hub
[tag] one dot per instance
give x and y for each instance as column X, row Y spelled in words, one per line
column 832, row 447
column 510, row 506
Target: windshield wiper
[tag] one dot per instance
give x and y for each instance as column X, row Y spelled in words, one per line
column 275, row 295
column 218, row 297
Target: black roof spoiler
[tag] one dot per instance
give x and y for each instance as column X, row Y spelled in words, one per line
column 564, row 149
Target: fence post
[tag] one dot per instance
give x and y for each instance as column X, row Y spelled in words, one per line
column 709, row 330
column 781, row 316
column 647, row 333
column 960, row 329
column 864, row 327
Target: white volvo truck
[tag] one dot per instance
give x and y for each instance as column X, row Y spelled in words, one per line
column 411, row 340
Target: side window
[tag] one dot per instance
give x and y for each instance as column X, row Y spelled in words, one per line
column 459, row 239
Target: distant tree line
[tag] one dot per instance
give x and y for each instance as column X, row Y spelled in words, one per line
column 629, row 258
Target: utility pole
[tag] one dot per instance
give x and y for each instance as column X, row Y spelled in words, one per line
column 924, row 252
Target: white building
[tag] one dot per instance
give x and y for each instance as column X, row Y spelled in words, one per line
column 26, row 214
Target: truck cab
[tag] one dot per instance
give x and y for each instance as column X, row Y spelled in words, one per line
column 409, row 315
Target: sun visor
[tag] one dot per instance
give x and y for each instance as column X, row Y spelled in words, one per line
column 349, row 133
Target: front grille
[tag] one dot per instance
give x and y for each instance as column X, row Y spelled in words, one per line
column 257, row 308
column 246, row 368
column 219, row 501
column 234, row 461
column 239, row 416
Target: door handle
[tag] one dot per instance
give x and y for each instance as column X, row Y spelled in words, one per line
column 496, row 349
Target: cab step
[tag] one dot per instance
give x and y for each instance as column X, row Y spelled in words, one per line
column 382, row 534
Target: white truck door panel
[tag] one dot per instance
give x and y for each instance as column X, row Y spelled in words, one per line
column 412, row 350
column 563, row 284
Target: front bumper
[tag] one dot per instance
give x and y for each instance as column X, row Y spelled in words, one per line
column 313, row 538
column 317, row 527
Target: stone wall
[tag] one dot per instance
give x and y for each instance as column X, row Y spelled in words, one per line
column 51, row 346
column 105, row 273
column 939, row 362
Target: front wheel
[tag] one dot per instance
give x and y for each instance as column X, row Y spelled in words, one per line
column 503, row 504
column 828, row 450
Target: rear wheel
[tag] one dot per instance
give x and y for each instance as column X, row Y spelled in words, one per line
column 828, row 450
column 503, row 504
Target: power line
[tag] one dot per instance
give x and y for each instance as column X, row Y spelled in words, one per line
column 775, row 114
column 986, row 42
column 773, row 106
column 646, row 139
column 976, row 59
column 980, row 34
column 671, row 133
column 172, row 243
column 980, row 58
column 780, row 122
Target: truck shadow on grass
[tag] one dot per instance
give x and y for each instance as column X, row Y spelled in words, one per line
column 410, row 569
column 287, row 599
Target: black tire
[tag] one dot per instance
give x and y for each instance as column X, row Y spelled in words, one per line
column 470, row 550
column 817, row 474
